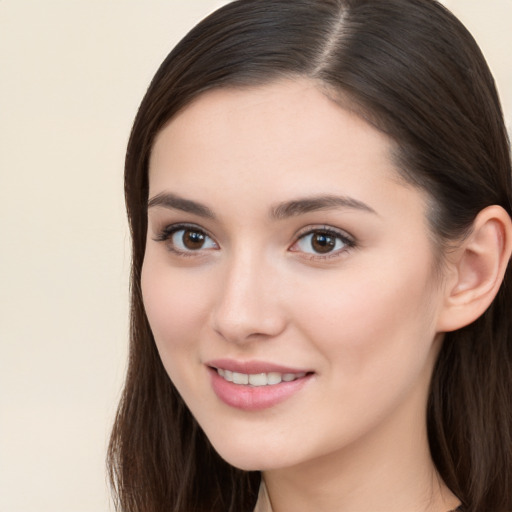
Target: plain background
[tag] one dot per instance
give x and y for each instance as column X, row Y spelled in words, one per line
column 72, row 73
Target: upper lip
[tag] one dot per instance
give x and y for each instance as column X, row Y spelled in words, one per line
column 252, row 367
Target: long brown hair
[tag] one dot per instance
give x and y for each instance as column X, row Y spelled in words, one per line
column 410, row 68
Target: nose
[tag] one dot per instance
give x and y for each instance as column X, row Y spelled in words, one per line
column 248, row 305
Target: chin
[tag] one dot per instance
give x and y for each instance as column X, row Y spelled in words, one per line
column 246, row 460
column 255, row 457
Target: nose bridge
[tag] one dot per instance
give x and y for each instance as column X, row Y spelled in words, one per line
column 247, row 304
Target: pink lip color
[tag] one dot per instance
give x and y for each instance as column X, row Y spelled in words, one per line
column 252, row 367
column 249, row 398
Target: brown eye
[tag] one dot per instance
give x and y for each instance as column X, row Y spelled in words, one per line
column 323, row 242
column 185, row 240
column 193, row 240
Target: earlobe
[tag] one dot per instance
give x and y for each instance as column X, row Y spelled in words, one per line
column 478, row 266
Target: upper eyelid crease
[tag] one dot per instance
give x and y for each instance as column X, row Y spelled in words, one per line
column 170, row 229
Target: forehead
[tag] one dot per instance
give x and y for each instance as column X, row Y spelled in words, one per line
column 290, row 128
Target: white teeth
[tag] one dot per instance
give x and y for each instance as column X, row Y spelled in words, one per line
column 240, row 378
column 273, row 378
column 259, row 379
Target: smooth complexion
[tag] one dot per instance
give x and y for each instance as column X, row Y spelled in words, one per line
column 280, row 237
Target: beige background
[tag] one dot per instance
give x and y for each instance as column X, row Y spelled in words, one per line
column 72, row 73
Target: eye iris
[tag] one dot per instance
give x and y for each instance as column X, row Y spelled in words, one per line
column 193, row 240
column 323, row 242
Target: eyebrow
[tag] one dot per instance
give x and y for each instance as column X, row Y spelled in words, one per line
column 317, row 203
column 280, row 211
column 175, row 202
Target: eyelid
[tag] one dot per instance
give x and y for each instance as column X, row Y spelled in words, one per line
column 169, row 229
column 323, row 227
column 348, row 240
column 165, row 234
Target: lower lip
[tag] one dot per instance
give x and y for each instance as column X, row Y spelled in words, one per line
column 255, row 398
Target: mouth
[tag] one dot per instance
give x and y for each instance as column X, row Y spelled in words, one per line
column 258, row 379
column 253, row 386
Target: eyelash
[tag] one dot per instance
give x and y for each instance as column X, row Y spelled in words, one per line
column 348, row 242
column 167, row 233
column 338, row 235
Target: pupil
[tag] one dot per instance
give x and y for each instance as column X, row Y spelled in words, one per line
column 193, row 240
column 323, row 242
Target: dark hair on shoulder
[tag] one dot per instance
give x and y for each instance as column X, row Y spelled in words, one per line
column 411, row 69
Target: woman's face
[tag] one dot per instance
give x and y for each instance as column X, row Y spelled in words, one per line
column 285, row 254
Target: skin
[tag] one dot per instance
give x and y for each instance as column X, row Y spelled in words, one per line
column 362, row 318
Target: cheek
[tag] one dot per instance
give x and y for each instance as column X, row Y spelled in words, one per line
column 175, row 307
column 369, row 319
column 376, row 341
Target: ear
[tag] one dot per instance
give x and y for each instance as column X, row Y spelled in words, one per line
column 476, row 269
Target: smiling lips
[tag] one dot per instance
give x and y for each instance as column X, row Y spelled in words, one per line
column 259, row 379
column 255, row 386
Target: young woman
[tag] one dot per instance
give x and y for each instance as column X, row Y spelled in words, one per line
column 319, row 193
